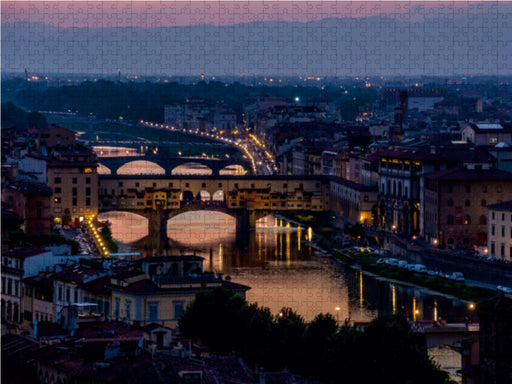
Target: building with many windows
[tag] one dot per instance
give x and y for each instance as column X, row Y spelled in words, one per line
column 400, row 171
column 160, row 292
column 455, row 203
column 31, row 202
column 487, row 134
column 499, row 230
column 356, row 203
column 73, row 177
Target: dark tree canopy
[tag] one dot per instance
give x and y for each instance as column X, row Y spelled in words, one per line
column 387, row 351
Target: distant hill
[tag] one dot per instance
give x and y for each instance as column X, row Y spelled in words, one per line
column 466, row 43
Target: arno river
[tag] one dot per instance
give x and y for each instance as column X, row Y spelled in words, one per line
column 283, row 271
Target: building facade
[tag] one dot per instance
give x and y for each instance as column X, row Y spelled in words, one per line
column 454, row 205
column 31, row 202
column 499, row 230
column 162, row 290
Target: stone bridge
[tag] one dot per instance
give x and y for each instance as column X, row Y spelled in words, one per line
column 246, row 198
column 170, row 163
column 449, row 334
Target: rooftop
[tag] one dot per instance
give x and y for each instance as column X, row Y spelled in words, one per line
column 470, row 174
column 78, row 273
column 504, row 206
column 489, row 126
column 29, row 188
column 24, row 253
column 156, row 259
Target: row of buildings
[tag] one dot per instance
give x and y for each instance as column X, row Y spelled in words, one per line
column 45, row 285
column 437, row 192
column 48, row 177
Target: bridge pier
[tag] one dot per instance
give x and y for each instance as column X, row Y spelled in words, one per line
column 245, row 222
column 157, row 227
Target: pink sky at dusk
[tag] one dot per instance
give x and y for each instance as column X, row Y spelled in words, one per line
column 151, row 14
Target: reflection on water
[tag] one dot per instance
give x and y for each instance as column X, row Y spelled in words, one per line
column 283, row 272
column 449, row 360
column 126, row 228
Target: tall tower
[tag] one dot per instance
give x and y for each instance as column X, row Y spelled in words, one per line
column 404, row 104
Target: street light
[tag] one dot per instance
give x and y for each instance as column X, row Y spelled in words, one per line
column 337, row 315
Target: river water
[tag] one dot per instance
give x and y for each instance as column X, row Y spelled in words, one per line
column 283, row 271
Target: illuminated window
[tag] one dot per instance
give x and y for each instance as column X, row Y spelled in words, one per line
column 87, row 170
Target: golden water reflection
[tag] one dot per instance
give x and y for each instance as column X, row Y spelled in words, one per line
column 282, row 272
column 126, row 227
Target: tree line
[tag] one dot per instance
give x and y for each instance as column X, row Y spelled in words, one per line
column 387, row 351
column 146, row 100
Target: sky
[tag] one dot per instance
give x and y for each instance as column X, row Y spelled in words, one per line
column 147, row 14
column 306, row 38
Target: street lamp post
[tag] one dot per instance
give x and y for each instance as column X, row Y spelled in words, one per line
column 337, row 315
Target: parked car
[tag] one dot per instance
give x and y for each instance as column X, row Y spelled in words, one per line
column 420, row 268
column 502, row 288
column 457, row 276
column 392, row 261
column 402, row 264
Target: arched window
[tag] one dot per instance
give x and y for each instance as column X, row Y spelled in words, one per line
column 450, row 220
column 467, row 203
column 467, row 220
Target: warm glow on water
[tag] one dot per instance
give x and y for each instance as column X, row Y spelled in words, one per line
column 126, row 227
column 281, row 271
column 195, row 229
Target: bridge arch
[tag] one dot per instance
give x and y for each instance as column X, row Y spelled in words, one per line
column 233, row 170
column 202, row 228
column 192, row 168
column 140, row 167
column 203, row 195
column 103, row 170
column 219, row 195
column 187, row 196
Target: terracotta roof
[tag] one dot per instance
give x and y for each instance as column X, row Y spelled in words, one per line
column 152, row 326
column 142, row 286
column 234, row 286
column 24, row 253
column 491, row 128
column 102, row 330
column 39, row 281
column 353, row 185
column 98, row 286
column 504, row 206
column 469, row 174
column 77, row 273
column 29, row 188
column 172, row 258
